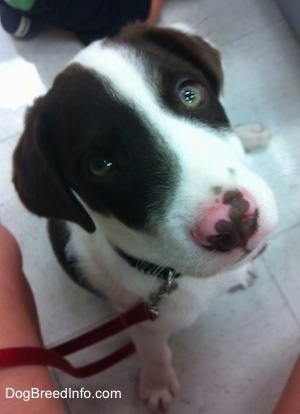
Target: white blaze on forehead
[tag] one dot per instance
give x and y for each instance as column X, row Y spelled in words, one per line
column 196, row 145
column 124, row 71
column 127, row 78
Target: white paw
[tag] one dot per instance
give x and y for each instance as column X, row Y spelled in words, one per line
column 158, row 387
column 253, row 136
column 246, row 278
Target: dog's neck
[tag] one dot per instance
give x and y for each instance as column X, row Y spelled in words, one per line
column 148, row 268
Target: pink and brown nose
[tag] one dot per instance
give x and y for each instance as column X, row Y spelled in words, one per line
column 227, row 224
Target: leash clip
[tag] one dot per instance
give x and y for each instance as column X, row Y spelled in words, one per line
column 165, row 289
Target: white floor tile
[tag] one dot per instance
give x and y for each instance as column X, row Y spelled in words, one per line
column 222, row 21
column 239, row 354
column 261, row 75
column 49, row 52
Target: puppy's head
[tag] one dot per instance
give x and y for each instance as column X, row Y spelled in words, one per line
column 132, row 133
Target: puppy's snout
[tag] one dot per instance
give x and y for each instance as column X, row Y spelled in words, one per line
column 229, row 222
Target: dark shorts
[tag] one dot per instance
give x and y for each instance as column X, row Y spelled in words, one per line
column 89, row 19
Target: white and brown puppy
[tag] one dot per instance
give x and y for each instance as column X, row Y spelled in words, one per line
column 132, row 157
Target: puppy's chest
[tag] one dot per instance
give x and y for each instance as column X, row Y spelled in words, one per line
column 124, row 286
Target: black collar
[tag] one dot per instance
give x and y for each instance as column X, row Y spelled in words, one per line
column 149, row 268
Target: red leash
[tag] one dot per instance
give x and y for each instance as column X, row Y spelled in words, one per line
column 54, row 357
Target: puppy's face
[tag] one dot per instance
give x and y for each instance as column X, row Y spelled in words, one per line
column 132, row 136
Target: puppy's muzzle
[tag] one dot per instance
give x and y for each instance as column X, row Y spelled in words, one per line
column 229, row 222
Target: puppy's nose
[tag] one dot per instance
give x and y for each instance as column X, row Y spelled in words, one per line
column 229, row 223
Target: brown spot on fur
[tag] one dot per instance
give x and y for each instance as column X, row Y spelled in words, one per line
column 217, row 189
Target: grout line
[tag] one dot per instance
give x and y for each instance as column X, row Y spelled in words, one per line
column 282, row 294
column 284, row 231
column 256, row 30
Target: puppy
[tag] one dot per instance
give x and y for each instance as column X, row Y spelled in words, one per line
column 132, row 158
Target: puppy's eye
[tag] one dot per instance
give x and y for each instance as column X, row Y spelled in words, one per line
column 100, row 167
column 192, row 95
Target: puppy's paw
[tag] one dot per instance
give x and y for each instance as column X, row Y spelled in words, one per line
column 158, row 387
column 246, row 278
column 253, row 136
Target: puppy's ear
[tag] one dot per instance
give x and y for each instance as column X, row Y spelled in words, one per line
column 184, row 44
column 37, row 177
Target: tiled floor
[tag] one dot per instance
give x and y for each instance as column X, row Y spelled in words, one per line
column 236, row 358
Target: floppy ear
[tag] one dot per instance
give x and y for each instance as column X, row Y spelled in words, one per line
column 37, row 177
column 188, row 46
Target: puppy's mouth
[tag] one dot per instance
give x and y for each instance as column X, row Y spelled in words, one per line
column 254, row 253
column 231, row 260
column 260, row 251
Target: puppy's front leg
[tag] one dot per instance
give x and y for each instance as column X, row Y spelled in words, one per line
column 158, row 380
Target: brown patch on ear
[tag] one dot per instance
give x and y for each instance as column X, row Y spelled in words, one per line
column 36, row 174
column 189, row 47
